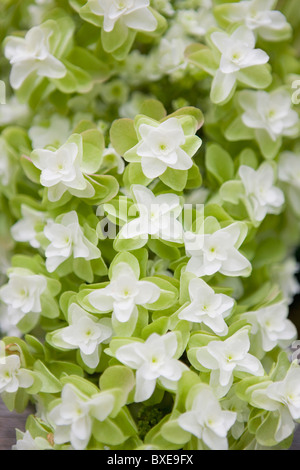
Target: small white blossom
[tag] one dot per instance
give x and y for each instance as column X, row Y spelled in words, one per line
column 282, row 397
column 22, row 294
column 14, row 112
column 67, row 239
column 153, row 360
column 289, row 175
column 32, row 54
column 258, row 16
column 160, row 148
column 225, row 358
column 216, row 252
column 85, row 332
column 61, row 171
column 73, row 417
column 237, row 53
column 112, row 159
column 169, row 56
column 124, row 293
column 196, row 22
column 284, row 274
column 207, row 421
column 262, row 196
column 24, row 229
column 134, row 14
column 157, row 216
column 272, row 325
column 271, row 112
column 27, row 442
column 56, row 133
column 207, row 307
column 12, row 376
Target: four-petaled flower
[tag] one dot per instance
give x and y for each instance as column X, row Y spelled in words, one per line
column 12, row 376
column 262, row 196
column 237, row 53
column 32, row 54
column 134, row 14
column 207, row 307
column 217, row 252
column 124, row 293
column 228, row 357
column 73, row 417
column 85, row 332
column 207, row 421
column 157, row 216
column 66, row 239
column 22, row 294
column 153, row 360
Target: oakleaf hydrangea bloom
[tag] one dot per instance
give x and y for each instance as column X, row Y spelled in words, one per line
column 237, row 53
column 153, row 360
column 217, row 252
column 262, row 196
column 67, row 239
column 61, row 170
column 258, row 16
column 161, row 147
column 269, row 112
column 225, row 358
column 207, row 307
column 22, row 294
column 282, row 398
column 24, row 229
column 124, row 293
column 85, row 332
column 157, row 216
column 272, row 326
column 134, row 14
column 12, row 376
column 32, row 54
column 209, row 423
column 73, row 417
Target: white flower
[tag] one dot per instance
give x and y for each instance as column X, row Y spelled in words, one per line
column 160, row 148
column 217, row 252
column 22, row 294
column 289, row 174
column 169, row 56
column 237, row 53
column 262, row 196
column 6, row 165
column 207, row 307
column 123, row 294
column 85, row 332
column 272, row 326
column 73, row 417
column 282, row 397
column 207, row 421
column 153, row 360
column 14, row 112
column 258, row 16
column 226, row 358
column 112, row 159
column 24, row 229
column 27, row 442
column 61, row 171
column 32, row 54
column 134, row 14
column 56, row 133
column 66, row 239
column 284, row 274
column 157, row 216
column 196, row 22
column 12, row 376
column 270, row 112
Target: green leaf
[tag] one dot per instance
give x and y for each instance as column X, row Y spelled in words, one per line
column 175, row 179
column 123, row 135
column 93, row 146
column 108, row 432
column 268, row 147
column 219, row 163
column 172, row 432
column 153, row 108
column 257, row 76
column 50, row 384
column 31, row 171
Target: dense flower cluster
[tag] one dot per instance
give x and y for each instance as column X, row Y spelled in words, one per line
column 149, row 195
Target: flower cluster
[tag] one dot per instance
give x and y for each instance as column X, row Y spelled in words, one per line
column 149, row 195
